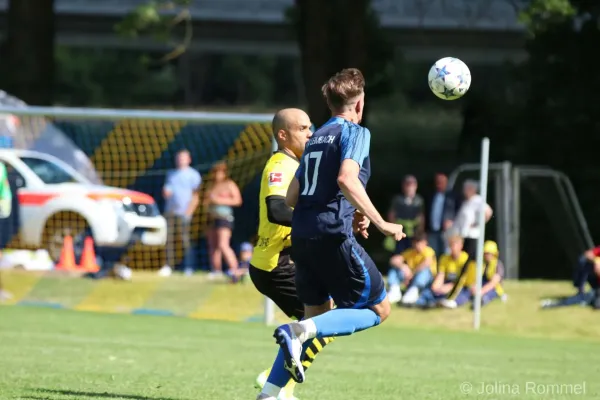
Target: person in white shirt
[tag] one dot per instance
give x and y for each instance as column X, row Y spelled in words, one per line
column 466, row 222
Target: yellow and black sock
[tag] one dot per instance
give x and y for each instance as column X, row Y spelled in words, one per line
column 309, row 357
column 313, row 350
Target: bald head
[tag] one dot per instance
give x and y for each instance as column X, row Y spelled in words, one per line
column 291, row 128
column 287, row 118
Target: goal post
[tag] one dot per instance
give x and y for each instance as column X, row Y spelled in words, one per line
column 512, row 190
column 100, row 172
column 483, row 179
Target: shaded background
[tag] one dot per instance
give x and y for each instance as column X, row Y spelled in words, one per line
column 533, row 93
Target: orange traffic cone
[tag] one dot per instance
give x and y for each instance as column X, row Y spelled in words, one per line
column 67, row 255
column 88, row 256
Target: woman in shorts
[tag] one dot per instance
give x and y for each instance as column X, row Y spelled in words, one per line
column 223, row 195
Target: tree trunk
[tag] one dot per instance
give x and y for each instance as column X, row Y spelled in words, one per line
column 29, row 66
column 331, row 37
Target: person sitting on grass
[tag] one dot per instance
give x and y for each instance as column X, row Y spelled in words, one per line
column 246, row 250
column 491, row 287
column 448, row 271
column 587, row 272
column 415, row 268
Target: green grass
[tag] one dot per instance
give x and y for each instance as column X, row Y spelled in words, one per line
column 199, row 297
column 60, row 354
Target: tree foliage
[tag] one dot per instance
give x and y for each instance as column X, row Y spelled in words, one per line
column 561, row 99
column 111, row 78
column 544, row 112
column 331, row 36
column 160, row 19
column 540, row 15
column 27, row 67
column 545, row 102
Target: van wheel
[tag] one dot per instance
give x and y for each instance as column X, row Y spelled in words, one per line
column 58, row 227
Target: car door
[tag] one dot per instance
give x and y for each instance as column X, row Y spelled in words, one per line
column 9, row 227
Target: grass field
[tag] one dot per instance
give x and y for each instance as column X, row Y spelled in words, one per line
column 62, row 354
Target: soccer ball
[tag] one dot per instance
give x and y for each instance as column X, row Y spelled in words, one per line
column 449, row 78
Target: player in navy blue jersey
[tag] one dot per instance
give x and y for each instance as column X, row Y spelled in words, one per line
column 330, row 205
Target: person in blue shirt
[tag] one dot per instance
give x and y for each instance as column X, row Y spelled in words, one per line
column 330, row 205
column 181, row 200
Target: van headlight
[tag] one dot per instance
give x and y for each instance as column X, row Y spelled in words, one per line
column 116, row 206
column 127, row 205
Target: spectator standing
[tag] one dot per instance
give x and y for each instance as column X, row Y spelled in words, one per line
column 181, row 200
column 222, row 197
column 5, row 220
column 442, row 210
column 466, row 223
column 406, row 209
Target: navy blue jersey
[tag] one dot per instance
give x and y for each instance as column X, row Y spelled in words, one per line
column 322, row 209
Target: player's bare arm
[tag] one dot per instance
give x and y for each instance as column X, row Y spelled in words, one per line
column 293, row 192
column 356, row 194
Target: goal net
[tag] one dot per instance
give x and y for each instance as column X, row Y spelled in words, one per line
column 84, row 173
column 538, row 222
column 557, row 231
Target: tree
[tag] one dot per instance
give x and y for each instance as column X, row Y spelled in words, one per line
column 545, row 113
column 331, row 36
column 160, row 18
column 28, row 60
column 562, row 102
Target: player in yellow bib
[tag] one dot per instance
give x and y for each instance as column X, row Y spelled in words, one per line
column 271, row 269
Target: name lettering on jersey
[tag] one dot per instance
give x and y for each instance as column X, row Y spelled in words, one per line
column 321, row 139
column 275, row 179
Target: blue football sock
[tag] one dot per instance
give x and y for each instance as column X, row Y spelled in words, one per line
column 345, row 321
column 278, row 375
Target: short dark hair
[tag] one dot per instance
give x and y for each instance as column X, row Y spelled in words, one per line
column 343, row 87
column 419, row 237
column 221, row 166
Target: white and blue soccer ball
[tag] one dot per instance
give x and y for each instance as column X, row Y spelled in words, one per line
column 449, row 78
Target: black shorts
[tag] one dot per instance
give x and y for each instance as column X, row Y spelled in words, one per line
column 337, row 268
column 280, row 285
column 222, row 223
